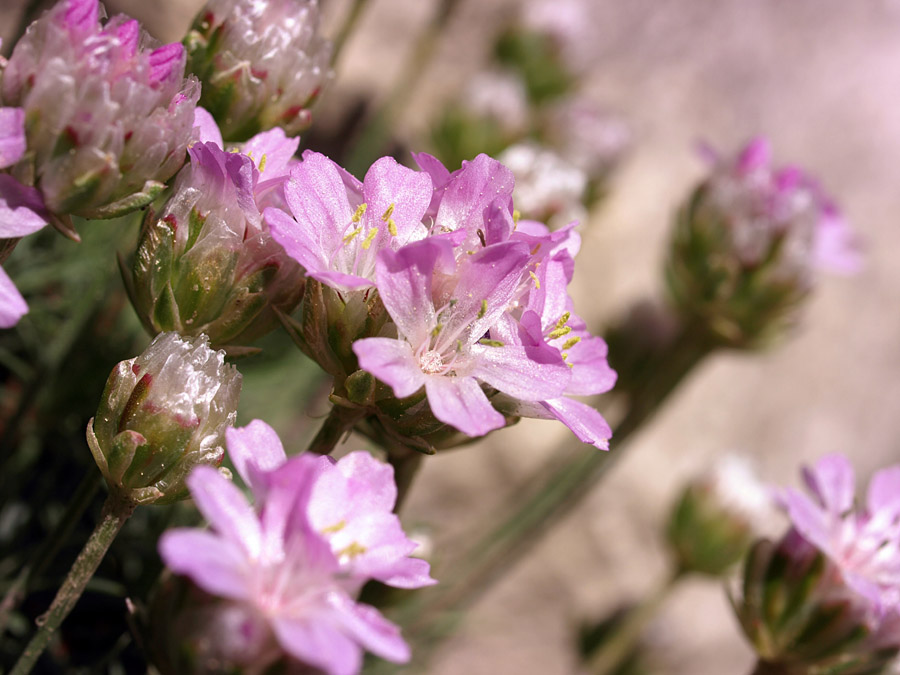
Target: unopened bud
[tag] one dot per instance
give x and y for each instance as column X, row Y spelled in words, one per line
column 161, row 414
column 262, row 64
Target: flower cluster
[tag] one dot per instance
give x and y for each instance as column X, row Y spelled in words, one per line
column 291, row 567
column 748, row 243
column 262, row 64
column 827, row 597
column 479, row 319
column 107, row 115
column 206, row 263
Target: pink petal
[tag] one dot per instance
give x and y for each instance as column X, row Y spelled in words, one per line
column 12, row 136
column 276, row 147
column 387, row 184
column 12, row 304
column 226, row 508
column 318, row 201
column 166, row 61
column 372, row 481
column 586, row 423
column 299, row 243
column 392, row 362
column 213, row 563
column 205, row 128
column 471, row 190
column 22, row 209
column 254, row 450
column 319, row 644
column 832, row 480
column 884, row 490
column 459, row 402
column 372, row 630
column 528, row 373
column 82, row 15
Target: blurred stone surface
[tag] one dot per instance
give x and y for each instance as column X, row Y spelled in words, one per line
column 820, row 77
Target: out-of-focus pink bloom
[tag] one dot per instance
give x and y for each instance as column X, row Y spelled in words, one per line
column 278, row 565
column 351, row 504
column 108, row 115
column 862, row 542
column 262, row 64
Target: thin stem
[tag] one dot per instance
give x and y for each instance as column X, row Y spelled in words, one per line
column 116, row 511
column 84, row 496
column 406, row 466
column 555, row 496
column 624, row 636
column 347, row 29
column 339, row 421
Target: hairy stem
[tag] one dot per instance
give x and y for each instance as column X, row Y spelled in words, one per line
column 116, row 511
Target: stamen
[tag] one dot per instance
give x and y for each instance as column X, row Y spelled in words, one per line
column 571, row 342
column 262, row 163
column 337, row 527
column 559, row 332
column 352, row 550
column 564, row 319
column 483, row 310
column 350, row 237
column 490, row 343
column 534, row 278
column 392, row 227
column 360, row 210
column 388, row 213
column 367, row 242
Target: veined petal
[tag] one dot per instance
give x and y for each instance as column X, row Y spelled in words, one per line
column 407, row 193
column 392, row 362
column 372, row 482
column 12, row 304
column 205, row 128
column 591, row 372
column 809, row 518
column 213, row 563
column 299, row 243
column 470, row 191
column 584, row 421
column 318, row 201
column 404, row 280
column 459, row 402
column 528, row 373
column 277, row 149
column 226, row 508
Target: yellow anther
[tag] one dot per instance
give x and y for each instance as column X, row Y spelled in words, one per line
column 483, row 310
column 564, row 319
column 392, row 227
column 534, row 278
column 436, row 330
column 559, row 332
column 388, row 213
column 534, row 251
column 367, row 242
column 350, row 237
column 490, row 343
column 352, row 550
column 516, row 216
column 262, row 163
column 565, row 355
column 360, row 210
column 571, row 342
column 337, row 527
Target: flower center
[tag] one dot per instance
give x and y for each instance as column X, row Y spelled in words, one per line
column 431, row 362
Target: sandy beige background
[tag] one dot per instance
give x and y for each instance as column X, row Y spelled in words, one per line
column 822, row 79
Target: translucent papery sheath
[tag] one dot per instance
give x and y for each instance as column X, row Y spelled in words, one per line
column 262, row 64
column 108, row 116
column 162, row 414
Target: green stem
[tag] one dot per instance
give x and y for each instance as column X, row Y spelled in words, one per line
column 116, row 511
column 406, row 465
column 624, row 637
column 347, row 29
column 555, row 496
column 339, row 421
column 376, row 135
column 82, row 499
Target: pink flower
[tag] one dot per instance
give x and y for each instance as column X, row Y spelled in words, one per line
column 320, row 530
column 862, row 542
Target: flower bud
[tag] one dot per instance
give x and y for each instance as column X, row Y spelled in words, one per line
column 206, row 263
column 161, row 414
column 747, row 246
column 717, row 516
column 262, row 64
column 108, row 115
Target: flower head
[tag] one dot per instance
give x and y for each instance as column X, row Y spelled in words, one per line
column 827, row 596
column 748, row 244
column 162, row 414
column 319, row 531
column 108, row 115
column 262, row 64
column 207, row 263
